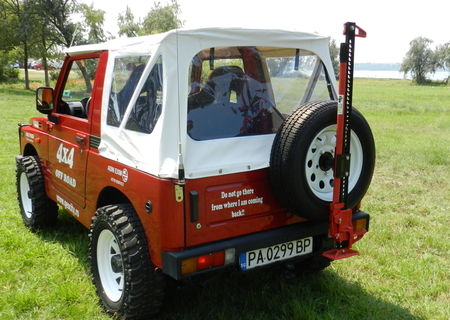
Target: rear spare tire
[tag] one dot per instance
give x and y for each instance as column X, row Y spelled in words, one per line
column 302, row 159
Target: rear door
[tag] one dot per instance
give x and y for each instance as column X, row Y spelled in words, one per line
column 227, row 206
column 69, row 128
column 231, row 98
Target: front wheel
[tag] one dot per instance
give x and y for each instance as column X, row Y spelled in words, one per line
column 127, row 283
column 36, row 208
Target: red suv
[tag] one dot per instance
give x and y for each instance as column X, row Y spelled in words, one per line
column 192, row 151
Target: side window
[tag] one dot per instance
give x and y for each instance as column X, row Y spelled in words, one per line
column 321, row 90
column 126, row 75
column 77, row 89
column 147, row 109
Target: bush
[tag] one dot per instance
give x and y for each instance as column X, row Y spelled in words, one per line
column 8, row 73
column 54, row 75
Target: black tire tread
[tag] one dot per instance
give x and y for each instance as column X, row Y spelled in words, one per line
column 45, row 210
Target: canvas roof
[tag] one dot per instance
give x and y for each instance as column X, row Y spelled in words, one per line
column 162, row 152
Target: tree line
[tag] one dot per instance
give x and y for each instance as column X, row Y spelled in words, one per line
column 421, row 59
column 41, row 28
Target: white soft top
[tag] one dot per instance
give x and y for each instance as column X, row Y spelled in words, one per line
column 141, row 44
column 168, row 147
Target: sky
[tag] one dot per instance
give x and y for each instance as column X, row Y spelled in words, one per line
column 390, row 24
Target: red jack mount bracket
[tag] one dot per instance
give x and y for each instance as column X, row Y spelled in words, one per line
column 340, row 219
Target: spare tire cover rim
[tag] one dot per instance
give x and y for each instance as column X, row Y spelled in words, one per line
column 320, row 182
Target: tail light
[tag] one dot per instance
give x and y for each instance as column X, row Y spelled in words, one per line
column 360, row 224
column 208, row 261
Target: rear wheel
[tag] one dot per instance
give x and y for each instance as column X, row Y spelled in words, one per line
column 302, row 159
column 127, row 283
column 36, row 208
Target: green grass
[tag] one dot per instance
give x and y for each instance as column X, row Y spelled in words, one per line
column 402, row 272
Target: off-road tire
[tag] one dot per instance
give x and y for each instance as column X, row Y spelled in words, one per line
column 289, row 163
column 36, row 209
column 142, row 285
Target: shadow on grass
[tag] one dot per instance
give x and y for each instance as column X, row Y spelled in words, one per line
column 432, row 83
column 267, row 294
column 72, row 236
column 260, row 294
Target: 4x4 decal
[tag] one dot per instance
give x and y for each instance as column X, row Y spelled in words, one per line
column 65, row 155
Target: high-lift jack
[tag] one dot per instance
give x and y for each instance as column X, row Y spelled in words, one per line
column 340, row 219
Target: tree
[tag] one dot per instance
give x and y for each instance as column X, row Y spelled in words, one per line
column 127, row 26
column 334, row 54
column 159, row 19
column 44, row 45
column 443, row 57
column 53, row 28
column 58, row 12
column 19, row 12
column 419, row 60
column 9, row 24
column 6, row 71
column 162, row 18
column 9, row 44
column 94, row 19
column 44, row 35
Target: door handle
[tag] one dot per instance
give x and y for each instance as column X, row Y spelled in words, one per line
column 79, row 139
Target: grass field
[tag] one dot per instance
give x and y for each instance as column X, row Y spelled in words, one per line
column 403, row 271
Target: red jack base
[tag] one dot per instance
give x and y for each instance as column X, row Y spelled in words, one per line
column 336, row 254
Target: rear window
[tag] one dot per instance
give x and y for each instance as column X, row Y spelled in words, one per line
column 243, row 91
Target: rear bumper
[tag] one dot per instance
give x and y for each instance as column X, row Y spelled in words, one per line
column 172, row 260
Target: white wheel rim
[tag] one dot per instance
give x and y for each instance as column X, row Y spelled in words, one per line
column 320, row 181
column 110, row 266
column 27, row 205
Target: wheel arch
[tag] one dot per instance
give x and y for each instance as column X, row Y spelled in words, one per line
column 110, row 195
column 29, row 150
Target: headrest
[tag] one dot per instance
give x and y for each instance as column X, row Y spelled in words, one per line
column 222, row 70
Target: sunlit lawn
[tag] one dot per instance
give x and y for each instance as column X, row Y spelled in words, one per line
column 402, row 272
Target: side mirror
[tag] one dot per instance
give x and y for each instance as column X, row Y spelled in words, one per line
column 44, row 100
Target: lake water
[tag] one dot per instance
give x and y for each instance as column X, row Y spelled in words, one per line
column 383, row 74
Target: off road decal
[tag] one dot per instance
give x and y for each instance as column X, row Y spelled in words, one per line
column 29, row 136
column 68, row 206
column 65, row 155
column 122, row 173
column 237, row 200
column 66, row 178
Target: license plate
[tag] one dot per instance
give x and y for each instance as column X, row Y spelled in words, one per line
column 278, row 252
